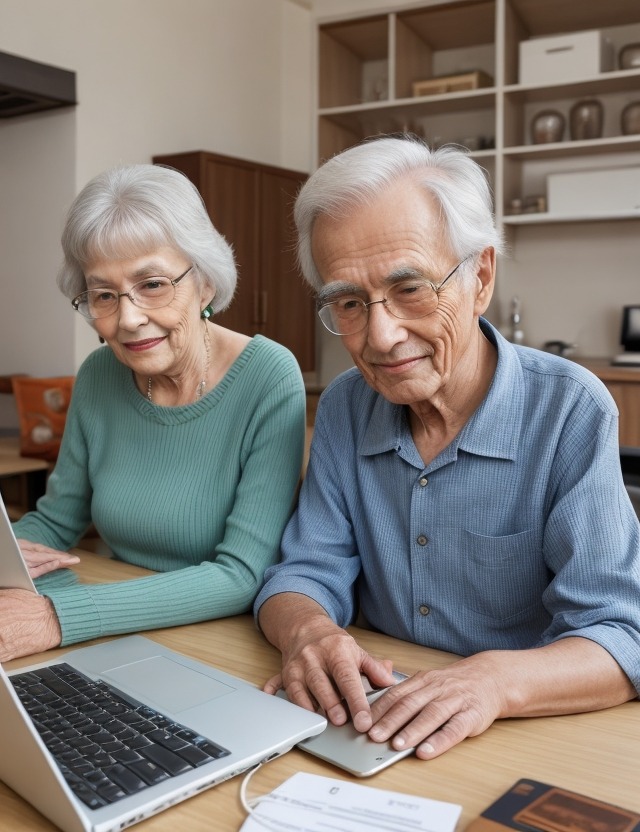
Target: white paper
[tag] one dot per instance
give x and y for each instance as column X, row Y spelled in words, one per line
column 310, row 803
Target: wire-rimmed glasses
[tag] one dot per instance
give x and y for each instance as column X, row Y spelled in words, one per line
column 408, row 300
column 153, row 292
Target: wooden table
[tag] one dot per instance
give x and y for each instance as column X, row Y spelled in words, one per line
column 31, row 473
column 597, row 754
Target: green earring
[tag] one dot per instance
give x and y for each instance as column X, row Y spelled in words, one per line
column 206, row 313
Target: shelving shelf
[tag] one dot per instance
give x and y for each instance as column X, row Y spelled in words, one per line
column 546, row 218
column 587, row 147
column 627, row 80
column 444, row 103
column 367, row 65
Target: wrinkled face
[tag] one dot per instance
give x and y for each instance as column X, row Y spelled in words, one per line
column 407, row 361
column 151, row 341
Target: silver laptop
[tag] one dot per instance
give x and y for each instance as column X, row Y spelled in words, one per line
column 14, row 573
column 350, row 750
column 134, row 727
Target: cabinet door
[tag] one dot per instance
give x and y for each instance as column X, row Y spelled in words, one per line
column 252, row 207
column 627, row 396
column 286, row 301
column 230, row 190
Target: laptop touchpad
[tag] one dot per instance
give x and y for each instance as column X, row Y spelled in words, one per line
column 168, row 685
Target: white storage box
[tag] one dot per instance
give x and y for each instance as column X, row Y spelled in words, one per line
column 570, row 57
column 597, row 192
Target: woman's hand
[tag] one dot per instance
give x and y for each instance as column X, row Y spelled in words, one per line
column 42, row 559
column 28, row 624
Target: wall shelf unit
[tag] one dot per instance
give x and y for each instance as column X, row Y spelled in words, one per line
column 367, row 66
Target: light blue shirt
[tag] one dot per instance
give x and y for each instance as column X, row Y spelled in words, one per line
column 517, row 534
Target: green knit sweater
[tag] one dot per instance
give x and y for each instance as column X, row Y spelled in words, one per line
column 200, row 494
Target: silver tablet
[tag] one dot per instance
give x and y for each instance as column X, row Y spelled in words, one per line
column 350, row 750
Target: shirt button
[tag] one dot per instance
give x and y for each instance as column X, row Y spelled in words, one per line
column 424, row 609
column 423, row 481
column 422, row 540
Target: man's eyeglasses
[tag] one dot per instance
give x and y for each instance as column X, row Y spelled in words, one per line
column 407, row 300
column 151, row 293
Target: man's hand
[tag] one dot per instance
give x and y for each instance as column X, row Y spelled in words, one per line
column 28, row 624
column 41, row 559
column 321, row 664
column 436, row 709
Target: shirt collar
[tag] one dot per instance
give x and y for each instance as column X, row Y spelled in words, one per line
column 493, row 430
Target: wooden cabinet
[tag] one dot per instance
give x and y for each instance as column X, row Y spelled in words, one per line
column 367, row 68
column 624, row 386
column 252, row 205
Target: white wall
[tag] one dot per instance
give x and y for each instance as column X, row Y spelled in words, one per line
column 153, row 76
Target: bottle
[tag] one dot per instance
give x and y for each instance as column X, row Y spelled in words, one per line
column 516, row 335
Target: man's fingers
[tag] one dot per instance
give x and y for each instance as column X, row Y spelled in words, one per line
column 458, row 728
column 378, row 671
column 273, row 684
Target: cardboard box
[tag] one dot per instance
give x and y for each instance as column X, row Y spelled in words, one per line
column 607, row 191
column 571, row 57
column 452, row 83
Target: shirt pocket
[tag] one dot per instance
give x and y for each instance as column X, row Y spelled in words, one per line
column 504, row 576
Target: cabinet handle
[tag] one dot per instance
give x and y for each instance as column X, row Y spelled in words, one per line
column 263, row 307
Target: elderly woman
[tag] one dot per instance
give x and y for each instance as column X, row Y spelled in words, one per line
column 183, row 441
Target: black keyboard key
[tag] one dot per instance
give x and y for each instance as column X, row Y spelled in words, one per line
column 102, row 737
column 86, row 794
column 139, row 742
column 115, row 708
column 125, row 778
column 149, row 771
column 102, row 717
column 167, row 740
column 99, row 759
column 146, row 712
column 166, row 759
column 95, row 777
column 109, row 792
column 28, row 678
column 126, row 756
column 61, row 688
column 193, row 755
column 188, row 735
column 112, row 747
column 36, row 690
column 80, row 767
column 81, row 789
column 69, row 756
column 213, row 750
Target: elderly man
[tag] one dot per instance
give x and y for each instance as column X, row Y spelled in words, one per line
column 463, row 493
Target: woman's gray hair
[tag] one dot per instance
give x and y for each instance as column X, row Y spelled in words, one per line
column 358, row 175
column 134, row 210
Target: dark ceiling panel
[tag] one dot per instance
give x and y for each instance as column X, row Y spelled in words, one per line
column 29, row 86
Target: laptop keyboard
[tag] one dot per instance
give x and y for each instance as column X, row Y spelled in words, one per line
column 106, row 744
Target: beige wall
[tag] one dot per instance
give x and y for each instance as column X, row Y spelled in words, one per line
column 154, row 76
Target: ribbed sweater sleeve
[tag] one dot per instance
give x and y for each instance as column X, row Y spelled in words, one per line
column 198, row 494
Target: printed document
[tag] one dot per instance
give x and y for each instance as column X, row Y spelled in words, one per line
column 311, row 803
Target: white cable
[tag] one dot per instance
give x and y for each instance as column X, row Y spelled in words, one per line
column 249, row 804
